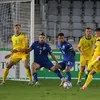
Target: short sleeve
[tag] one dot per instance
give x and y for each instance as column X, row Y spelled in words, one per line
column 80, row 43
column 49, row 49
column 69, row 46
column 32, row 46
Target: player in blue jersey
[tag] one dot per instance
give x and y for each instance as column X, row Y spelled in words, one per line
column 41, row 51
column 68, row 55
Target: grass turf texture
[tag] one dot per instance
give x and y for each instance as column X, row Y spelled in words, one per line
column 48, row 90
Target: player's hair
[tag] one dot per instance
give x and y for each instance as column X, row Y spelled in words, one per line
column 87, row 28
column 60, row 34
column 17, row 25
column 42, row 34
column 97, row 29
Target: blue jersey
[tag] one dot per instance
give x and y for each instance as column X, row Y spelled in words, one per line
column 41, row 51
column 66, row 49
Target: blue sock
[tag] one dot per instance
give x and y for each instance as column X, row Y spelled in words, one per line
column 35, row 77
column 58, row 74
column 68, row 76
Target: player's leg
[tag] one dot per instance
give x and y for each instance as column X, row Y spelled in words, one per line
column 88, row 69
column 12, row 62
column 54, row 68
column 34, row 67
column 89, row 79
column 24, row 58
column 62, row 66
column 69, row 65
column 68, row 73
column 28, row 71
column 82, row 68
column 94, row 67
column 6, row 71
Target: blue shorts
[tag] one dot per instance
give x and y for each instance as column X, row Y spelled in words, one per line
column 65, row 64
column 46, row 64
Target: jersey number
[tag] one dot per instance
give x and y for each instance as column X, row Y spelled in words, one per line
column 40, row 51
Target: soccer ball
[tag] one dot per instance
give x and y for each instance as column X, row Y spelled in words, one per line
column 67, row 85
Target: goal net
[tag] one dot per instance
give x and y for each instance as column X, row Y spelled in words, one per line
column 12, row 12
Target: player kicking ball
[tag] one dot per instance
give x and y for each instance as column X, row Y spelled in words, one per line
column 41, row 51
column 94, row 65
column 68, row 56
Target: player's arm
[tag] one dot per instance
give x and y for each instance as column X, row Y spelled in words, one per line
column 79, row 47
column 30, row 49
column 51, row 53
column 11, row 53
column 27, row 50
column 54, row 58
column 73, row 51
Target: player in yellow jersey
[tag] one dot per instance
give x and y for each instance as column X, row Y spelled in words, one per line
column 86, row 49
column 94, row 64
column 20, row 44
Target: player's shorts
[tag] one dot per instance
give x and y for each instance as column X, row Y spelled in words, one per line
column 46, row 64
column 16, row 57
column 94, row 64
column 65, row 64
column 84, row 61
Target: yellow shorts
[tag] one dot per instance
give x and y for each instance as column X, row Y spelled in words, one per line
column 16, row 57
column 84, row 60
column 94, row 64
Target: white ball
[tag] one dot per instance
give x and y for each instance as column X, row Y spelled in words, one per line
column 67, row 85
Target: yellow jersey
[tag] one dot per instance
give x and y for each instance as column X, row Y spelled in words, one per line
column 87, row 46
column 20, row 41
column 97, row 49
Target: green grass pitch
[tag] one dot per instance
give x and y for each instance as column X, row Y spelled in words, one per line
column 48, row 90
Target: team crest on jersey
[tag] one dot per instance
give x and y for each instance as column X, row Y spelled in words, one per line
column 44, row 48
column 63, row 47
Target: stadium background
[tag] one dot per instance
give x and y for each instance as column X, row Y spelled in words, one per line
column 51, row 17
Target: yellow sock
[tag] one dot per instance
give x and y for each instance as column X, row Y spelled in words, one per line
column 29, row 74
column 80, row 76
column 89, row 79
column 6, row 71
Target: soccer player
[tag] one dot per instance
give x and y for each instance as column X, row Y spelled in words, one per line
column 68, row 55
column 86, row 49
column 20, row 44
column 41, row 51
column 94, row 64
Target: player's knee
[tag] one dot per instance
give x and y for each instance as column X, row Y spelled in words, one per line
column 9, row 65
column 68, row 69
column 82, row 68
column 92, row 72
column 35, row 66
column 53, row 68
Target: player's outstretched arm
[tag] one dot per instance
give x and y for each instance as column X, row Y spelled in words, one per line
column 7, row 56
column 11, row 53
column 54, row 58
column 25, row 50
